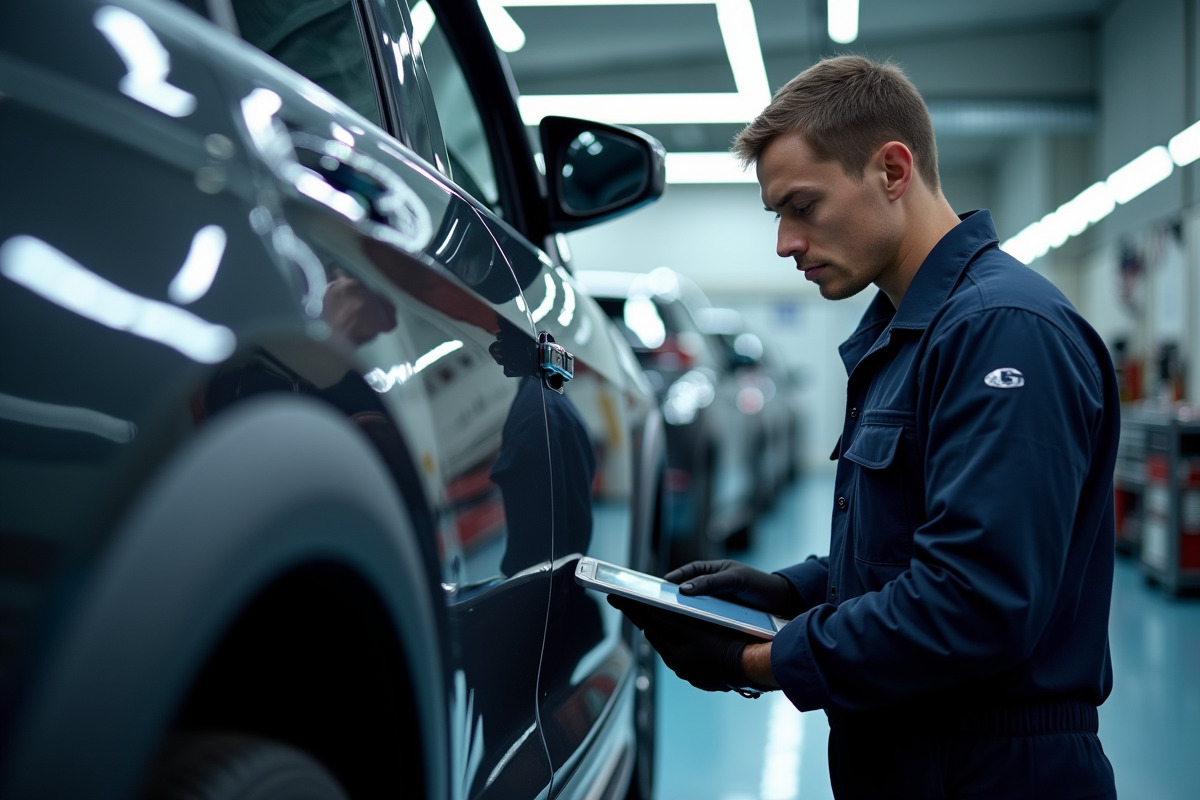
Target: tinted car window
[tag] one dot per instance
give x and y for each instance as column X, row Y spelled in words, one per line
column 462, row 124
column 320, row 39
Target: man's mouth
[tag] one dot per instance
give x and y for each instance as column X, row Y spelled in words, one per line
column 811, row 271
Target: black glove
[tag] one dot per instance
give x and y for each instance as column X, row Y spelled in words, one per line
column 705, row 655
column 766, row 591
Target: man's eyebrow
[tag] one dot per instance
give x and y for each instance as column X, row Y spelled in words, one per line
column 787, row 198
column 783, row 201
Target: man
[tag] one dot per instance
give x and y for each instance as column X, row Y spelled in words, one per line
column 956, row 634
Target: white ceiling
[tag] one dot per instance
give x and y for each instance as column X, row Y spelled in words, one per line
column 990, row 70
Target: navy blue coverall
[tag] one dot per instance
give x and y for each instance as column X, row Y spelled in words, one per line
column 957, row 631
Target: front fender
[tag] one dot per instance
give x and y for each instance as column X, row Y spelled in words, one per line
column 248, row 499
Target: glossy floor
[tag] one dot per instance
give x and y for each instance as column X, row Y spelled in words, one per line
column 725, row 747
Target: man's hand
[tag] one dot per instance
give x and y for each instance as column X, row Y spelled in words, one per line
column 766, row 591
column 705, row 655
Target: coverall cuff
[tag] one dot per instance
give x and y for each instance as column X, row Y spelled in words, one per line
column 811, row 579
column 795, row 668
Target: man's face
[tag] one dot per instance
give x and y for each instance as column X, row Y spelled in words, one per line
column 842, row 234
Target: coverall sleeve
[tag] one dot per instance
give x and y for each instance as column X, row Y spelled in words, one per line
column 811, row 579
column 1004, row 467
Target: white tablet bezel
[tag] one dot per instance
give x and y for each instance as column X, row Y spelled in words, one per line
column 614, row 579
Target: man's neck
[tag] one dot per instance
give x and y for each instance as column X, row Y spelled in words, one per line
column 929, row 218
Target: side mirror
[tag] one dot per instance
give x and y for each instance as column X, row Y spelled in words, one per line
column 596, row 171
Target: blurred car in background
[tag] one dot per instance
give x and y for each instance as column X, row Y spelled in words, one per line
column 713, row 434
column 766, row 393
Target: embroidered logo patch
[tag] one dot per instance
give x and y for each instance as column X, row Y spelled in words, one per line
column 1004, row 378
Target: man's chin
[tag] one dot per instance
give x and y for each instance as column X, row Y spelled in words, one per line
column 834, row 290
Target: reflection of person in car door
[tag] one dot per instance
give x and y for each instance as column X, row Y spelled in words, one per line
column 547, row 502
column 523, row 472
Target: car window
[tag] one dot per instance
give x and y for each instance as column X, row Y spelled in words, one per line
column 321, row 39
column 462, row 124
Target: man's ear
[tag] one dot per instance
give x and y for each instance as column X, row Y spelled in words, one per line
column 895, row 161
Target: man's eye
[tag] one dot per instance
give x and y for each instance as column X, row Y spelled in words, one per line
column 805, row 209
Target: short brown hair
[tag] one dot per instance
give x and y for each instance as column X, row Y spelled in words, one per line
column 846, row 107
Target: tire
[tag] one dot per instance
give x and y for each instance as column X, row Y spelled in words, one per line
column 226, row 766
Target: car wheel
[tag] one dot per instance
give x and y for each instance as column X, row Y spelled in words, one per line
column 226, row 766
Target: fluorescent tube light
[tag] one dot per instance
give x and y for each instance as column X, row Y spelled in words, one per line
column 1086, row 208
column 843, row 20
column 740, row 36
column 423, row 20
column 1185, row 145
column 707, row 168
column 504, row 29
column 1028, row 245
column 1145, row 171
column 642, row 109
column 1095, row 202
column 1098, row 200
column 1055, row 230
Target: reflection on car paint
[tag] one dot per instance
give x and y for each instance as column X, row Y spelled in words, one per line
column 199, row 269
column 47, row 271
column 67, row 418
column 146, row 60
column 382, row 381
column 466, row 737
column 381, row 192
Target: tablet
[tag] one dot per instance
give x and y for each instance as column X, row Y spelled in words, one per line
column 612, row 579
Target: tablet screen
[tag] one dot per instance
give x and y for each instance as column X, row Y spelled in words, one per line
column 668, row 593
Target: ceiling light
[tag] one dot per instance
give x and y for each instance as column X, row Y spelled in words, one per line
column 1185, row 145
column 505, row 31
column 423, row 20
column 719, row 167
column 740, row 36
column 1086, row 208
column 642, row 109
column 1148, row 169
column 843, row 20
column 1098, row 200
column 1030, row 244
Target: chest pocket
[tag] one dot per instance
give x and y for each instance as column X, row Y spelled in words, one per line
column 885, row 495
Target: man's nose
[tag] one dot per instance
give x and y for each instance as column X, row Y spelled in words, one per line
column 790, row 244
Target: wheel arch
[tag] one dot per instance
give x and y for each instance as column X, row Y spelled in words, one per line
column 278, row 493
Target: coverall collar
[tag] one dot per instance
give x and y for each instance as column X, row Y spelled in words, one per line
column 936, row 278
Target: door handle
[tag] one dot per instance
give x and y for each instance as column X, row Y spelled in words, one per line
column 368, row 193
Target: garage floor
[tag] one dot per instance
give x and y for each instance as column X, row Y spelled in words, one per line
column 725, row 747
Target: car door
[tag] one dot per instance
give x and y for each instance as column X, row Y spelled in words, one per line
column 593, row 424
column 408, row 274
